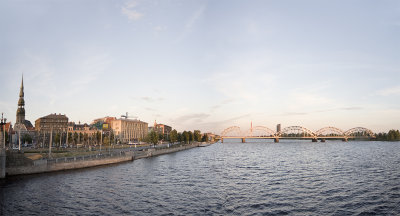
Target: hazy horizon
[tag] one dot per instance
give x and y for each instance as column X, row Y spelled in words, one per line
column 205, row 65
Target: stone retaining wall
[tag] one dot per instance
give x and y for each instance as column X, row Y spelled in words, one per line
column 42, row 166
column 21, row 166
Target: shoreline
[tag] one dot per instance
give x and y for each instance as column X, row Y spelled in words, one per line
column 81, row 162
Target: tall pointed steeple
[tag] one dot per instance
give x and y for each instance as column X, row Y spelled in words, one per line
column 21, row 104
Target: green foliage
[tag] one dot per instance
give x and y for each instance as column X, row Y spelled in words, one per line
column 70, row 138
column 26, row 138
column 185, row 137
column 98, row 137
column 106, row 141
column 392, row 135
column 85, row 137
column 179, row 137
column 80, row 137
column 160, row 136
column 204, row 138
column 152, row 137
column 191, row 137
column 173, row 136
column 57, row 138
column 7, row 137
column 197, row 135
column 75, row 138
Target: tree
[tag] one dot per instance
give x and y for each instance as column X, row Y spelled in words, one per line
column 205, row 138
column 179, row 137
column 70, row 138
column 191, row 137
column 75, row 137
column 160, row 136
column 7, row 137
column 185, row 137
column 152, row 137
column 106, row 141
column 26, row 138
column 85, row 138
column 98, row 137
column 80, row 137
column 197, row 135
column 393, row 135
column 112, row 137
column 57, row 138
column 173, row 136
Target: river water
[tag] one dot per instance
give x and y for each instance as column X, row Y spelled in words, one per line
column 255, row 178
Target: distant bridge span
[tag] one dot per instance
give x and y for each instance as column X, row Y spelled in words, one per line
column 296, row 132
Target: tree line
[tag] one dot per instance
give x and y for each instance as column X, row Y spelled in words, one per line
column 392, row 135
column 186, row 137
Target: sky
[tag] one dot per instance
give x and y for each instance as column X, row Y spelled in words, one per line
column 205, row 65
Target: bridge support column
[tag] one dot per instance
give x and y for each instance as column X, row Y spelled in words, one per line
column 243, row 140
column 276, row 140
column 222, row 140
column 344, row 139
column 314, row 140
column 322, row 140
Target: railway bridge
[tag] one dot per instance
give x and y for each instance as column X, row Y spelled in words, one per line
column 296, row 132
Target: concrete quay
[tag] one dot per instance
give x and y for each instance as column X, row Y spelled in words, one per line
column 18, row 164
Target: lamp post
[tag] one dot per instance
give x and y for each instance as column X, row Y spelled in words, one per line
column 51, row 140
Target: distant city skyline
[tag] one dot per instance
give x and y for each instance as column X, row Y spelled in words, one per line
column 205, row 65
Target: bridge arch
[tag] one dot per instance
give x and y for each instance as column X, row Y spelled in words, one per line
column 359, row 132
column 260, row 131
column 233, row 131
column 329, row 131
column 296, row 131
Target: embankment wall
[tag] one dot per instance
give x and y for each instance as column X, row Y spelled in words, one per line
column 21, row 166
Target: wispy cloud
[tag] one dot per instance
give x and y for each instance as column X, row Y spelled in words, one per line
column 159, row 28
column 42, row 73
column 321, row 111
column 389, row 91
column 191, row 22
column 150, row 109
column 217, row 106
column 222, row 124
column 130, row 10
column 90, row 68
column 150, row 99
column 198, row 117
column 294, row 113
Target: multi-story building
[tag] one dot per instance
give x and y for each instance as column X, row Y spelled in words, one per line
column 81, row 128
column 127, row 130
column 52, row 122
column 161, row 129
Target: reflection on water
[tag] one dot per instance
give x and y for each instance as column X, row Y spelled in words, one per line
column 290, row 177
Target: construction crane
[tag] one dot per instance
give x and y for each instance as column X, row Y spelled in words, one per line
column 126, row 116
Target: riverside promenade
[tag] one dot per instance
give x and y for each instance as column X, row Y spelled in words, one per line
column 19, row 164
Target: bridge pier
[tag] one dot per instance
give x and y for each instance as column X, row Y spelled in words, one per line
column 344, row 139
column 243, row 140
column 222, row 140
column 322, row 140
column 276, row 140
column 314, row 140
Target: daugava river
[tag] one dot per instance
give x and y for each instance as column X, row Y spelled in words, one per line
column 258, row 178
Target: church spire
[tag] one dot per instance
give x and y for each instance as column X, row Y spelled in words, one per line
column 21, row 93
column 21, row 90
column 21, row 104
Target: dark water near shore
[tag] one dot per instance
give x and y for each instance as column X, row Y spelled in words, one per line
column 291, row 177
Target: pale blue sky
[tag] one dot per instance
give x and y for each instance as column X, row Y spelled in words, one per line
column 205, row 65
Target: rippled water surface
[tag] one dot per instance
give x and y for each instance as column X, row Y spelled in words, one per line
column 291, row 177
